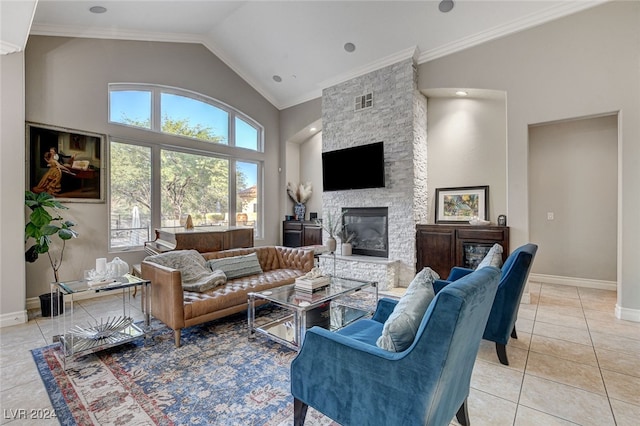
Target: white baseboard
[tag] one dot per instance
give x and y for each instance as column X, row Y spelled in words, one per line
column 627, row 314
column 14, row 318
column 576, row 282
column 34, row 302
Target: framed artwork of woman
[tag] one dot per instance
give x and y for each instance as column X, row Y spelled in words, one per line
column 65, row 163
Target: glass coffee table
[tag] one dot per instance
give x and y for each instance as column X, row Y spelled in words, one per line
column 343, row 301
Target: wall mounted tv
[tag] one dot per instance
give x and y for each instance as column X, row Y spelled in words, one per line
column 358, row 167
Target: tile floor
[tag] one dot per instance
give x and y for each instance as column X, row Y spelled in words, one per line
column 573, row 363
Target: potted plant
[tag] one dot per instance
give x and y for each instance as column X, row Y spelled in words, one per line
column 332, row 225
column 44, row 222
column 300, row 194
column 346, row 237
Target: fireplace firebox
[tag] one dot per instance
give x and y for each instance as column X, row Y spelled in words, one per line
column 370, row 229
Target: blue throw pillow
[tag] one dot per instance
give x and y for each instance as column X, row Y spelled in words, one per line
column 492, row 258
column 237, row 266
column 400, row 328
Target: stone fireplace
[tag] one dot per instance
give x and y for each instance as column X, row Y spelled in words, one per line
column 369, row 228
column 398, row 118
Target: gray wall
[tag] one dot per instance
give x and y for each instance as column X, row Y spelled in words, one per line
column 573, row 173
column 296, row 164
column 466, row 147
column 12, row 270
column 578, row 66
column 66, row 85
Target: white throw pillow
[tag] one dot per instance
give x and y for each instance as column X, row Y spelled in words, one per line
column 493, row 258
column 400, row 328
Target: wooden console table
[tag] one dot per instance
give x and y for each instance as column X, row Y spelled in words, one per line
column 441, row 247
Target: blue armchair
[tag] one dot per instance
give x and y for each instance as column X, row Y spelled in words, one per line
column 504, row 312
column 345, row 376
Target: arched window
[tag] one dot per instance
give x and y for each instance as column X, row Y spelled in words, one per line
column 208, row 164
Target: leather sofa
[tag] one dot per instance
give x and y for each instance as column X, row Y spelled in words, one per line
column 178, row 308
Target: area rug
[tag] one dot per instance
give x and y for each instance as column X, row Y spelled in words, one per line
column 217, row 377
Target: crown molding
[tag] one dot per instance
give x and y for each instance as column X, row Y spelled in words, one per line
column 530, row 21
column 116, row 34
column 7, row 48
column 394, row 58
column 209, row 44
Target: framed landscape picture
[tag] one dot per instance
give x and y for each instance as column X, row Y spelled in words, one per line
column 454, row 205
column 65, row 163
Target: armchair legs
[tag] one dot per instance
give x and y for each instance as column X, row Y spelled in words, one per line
column 299, row 412
column 463, row 414
column 501, row 349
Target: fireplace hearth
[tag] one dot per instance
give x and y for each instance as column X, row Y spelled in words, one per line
column 369, row 226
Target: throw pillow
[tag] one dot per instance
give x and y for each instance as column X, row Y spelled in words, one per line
column 193, row 270
column 237, row 266
column 492, row 258
column 401, row 327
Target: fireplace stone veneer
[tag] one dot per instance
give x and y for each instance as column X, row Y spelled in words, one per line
column 398, row 118
column 370, row 268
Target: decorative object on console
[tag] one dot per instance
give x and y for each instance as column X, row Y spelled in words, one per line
column 300, row 194
column 475, row 221
column 299, row 209
column 502, row 220
column 42, row 225
column 312, row 281
column 461, row 204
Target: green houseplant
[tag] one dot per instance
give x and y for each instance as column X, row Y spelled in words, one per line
column 44, row 222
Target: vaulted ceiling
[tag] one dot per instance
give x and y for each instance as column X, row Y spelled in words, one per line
column 288, row 50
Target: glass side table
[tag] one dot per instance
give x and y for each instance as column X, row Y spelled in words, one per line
column 77, row 339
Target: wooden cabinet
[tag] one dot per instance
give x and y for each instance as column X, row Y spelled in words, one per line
column 442, row 247
column 297, row 233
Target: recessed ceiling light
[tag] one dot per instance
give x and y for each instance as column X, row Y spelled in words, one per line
column 446, row 6
column 313, row 129
column 97, row 9
column 349, row 47
column 277, row 78
column 461, row 93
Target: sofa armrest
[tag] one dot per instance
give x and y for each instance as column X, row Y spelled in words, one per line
column 167, row 296
column 295, row 258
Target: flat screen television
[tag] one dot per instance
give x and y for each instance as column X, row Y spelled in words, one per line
column 357, row 167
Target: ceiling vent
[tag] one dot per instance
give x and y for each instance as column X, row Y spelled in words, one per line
column 364, row 101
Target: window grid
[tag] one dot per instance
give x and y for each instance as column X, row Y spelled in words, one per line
column 205, row 149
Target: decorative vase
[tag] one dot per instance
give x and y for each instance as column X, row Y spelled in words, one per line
column 347, row 249
column 331, row 244
column 117, row 268
column 299, row 209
